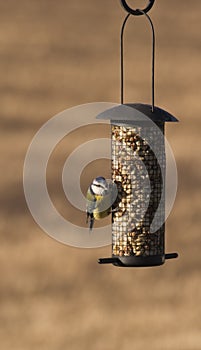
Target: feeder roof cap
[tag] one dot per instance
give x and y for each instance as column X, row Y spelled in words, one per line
column 136, row 112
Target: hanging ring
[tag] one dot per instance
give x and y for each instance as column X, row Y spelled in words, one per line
column 137, row 12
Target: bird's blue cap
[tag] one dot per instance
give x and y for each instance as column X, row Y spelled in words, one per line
column 100, row 178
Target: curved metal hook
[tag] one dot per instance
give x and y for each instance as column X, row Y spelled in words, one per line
column 137, row 12
column 153, row 57
column 122, row 58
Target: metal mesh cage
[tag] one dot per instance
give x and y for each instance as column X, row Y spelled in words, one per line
column 139, row 178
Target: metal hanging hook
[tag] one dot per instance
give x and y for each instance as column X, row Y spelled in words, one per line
column 122, row 56
column 137, row 12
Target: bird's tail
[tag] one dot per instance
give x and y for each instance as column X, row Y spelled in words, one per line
column 91, row 223
column 90, row 218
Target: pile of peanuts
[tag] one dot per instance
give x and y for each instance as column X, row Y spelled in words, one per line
column 138, row 176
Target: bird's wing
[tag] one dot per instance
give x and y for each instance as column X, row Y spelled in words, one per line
column 91, row 205
column 91, row 202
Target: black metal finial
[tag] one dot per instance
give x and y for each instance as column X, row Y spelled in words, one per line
column 137, row 12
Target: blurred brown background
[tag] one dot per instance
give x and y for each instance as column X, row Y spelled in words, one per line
column 55, row 55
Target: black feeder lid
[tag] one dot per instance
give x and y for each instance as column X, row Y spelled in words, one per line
column 136, row 112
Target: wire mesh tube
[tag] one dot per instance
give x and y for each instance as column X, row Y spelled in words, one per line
column 139, row 178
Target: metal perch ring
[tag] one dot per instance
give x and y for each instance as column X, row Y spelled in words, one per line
column 137, row 12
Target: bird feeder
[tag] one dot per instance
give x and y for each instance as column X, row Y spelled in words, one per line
column 138, row 170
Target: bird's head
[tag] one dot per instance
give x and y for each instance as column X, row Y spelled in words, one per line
column 99, row 186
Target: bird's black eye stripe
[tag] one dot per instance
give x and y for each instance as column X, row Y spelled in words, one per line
column 98, row 185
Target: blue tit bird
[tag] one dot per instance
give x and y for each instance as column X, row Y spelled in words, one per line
column 100, row 196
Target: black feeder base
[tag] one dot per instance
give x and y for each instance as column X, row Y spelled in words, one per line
column 138, row 261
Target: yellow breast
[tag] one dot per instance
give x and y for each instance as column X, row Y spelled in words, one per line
column 103, row 207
